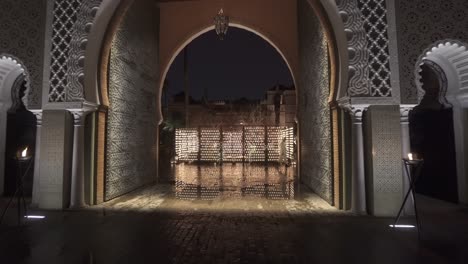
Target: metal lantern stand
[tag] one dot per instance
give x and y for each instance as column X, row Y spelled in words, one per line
column 413, row 169
column 19, row 192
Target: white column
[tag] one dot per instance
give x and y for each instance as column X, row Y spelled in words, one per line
column 460, row 127
column 77, row 199
column 3, row 130
column 37, row 159
column 405, row 149
column 358, row 185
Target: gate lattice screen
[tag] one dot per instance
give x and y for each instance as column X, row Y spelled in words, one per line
column 234, row 144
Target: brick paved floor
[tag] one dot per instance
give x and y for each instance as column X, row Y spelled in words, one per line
column 188, row 235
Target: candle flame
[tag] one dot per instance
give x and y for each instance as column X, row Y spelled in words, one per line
column 410, row 156
column 24, row 153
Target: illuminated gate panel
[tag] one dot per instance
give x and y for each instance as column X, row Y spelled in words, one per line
column 255, row 144
column 187, row 145
column 210, row 147
column 235, row 144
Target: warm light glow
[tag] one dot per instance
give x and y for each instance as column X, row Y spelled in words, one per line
column 234, row 144
column 24, row 153
column 402, row 226
column 34, row 216
column 410, row 156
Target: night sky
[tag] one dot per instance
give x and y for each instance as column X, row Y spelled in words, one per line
column 241, row 65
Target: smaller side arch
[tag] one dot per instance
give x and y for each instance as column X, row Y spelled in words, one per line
column 452, row 57
column 442, row 81
column 11, row 68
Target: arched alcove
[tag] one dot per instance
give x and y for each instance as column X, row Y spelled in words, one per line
column 448, row 60
column 14, row 79
column 431, row 131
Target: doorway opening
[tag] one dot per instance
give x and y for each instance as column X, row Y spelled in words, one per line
column 229, row 128
column 20, row 135
column 127, row 144
column 432, row 136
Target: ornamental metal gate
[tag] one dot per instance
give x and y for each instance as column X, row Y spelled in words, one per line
column 235, row 144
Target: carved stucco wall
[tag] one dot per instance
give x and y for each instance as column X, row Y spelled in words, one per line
column 422, row 23
column 132, row 117
column 71, row 25
column 22, row 29
column 366, row 27
column 314, row 111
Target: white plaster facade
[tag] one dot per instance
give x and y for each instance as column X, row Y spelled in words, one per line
column 353, row 87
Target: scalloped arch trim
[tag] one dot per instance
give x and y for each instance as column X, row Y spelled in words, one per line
column 8, row 65
column 452, row 57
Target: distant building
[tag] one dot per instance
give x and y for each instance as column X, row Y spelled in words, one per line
column 282, row 101
column 277, row 109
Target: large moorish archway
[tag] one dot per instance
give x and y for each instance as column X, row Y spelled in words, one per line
column 325, row 77
column 340, row 22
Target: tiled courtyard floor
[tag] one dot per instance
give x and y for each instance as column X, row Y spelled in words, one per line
column 142, row 228
column 166, row 198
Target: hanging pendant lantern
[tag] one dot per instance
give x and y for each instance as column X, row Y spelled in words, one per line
column 221, row 23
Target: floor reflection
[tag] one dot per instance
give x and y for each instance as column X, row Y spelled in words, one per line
column 209, row 182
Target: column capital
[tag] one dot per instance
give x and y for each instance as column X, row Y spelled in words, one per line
column 38, row 115
column 79, row 114
column 356, row 111
column 404, row 112
column 406, row 108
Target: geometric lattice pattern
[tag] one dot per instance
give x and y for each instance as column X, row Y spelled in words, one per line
column 65, row 17
column 234, row 144
column 132, row 117
column 386, row 150
column 374, row 13
column 313, row 107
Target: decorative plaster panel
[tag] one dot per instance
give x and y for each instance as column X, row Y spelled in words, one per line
column 374, row 13
column 314, row 111
column 422, row 23
column 357, row 48
column 79, row 39
column 71, row 25
column 132, row 118
column 22, row 25
column 65, row 17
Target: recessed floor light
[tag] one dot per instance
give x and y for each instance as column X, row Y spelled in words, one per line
column 402, row 226
column 34, row 216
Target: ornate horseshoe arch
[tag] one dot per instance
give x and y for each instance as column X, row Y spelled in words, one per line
column 448, row 58
column 9, row 65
